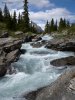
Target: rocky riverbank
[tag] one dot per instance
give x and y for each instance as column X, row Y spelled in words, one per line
column 61, row 89
column 10, row 49
column 64, row 87
column 9, row 52
column 61, row 44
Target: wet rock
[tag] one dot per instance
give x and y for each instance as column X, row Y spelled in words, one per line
column 3, row 65
column 3, row 71
column 69, row 46
column 6, row 60
column 37, row 44
column 11, row 46
column 19, row 33
column 54, row 43
column 9, row 53
column 22, row 51
column 55, row 91
column 4, row 35
column 63, row 61
column 71, row 87
column 28, row 38
column 61, row 44
column 12, row 56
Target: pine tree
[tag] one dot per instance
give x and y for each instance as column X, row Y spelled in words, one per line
column 68, row 24
column 9, row 23
column 19, row 18
column 1, row 16
column 55, row 26
column 26, row 16
column 62, row 24
column 52, row 26
column 6, row 14
column 47, row 27
column 14, row 21
column 20, row 22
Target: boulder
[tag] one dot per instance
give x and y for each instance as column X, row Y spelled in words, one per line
column 11, row 46
column 61, row 44
column 58, row 90
column 9, row 53
column 37, row 44
column 64, row 61
column 3, row 71
column 3, row 66
column 22, row 51
column 54, row 43
column 72, row 85
column 12, row 56
column 4, row 35
column 19, row 33
column 69, row 46
column 28, row 38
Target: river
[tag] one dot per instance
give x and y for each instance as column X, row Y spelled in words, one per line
column 33, row 71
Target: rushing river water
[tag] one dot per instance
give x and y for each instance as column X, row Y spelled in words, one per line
column 33, row 71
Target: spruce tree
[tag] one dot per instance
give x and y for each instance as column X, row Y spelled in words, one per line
column 68, row 24
column 55, row 26
column 6, row 13
column 9, row 23
column 20, row 22
column 19, row 18
column 26, row 16
column 62, row 24
column 47, row 27
column 14, row 21
column 52, row 25
column 1, row 16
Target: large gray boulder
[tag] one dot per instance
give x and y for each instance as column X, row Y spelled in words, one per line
column 4, row 35
column 58, row 90
column 6, row 60
column 19, row 33
column 61, row 44
column 3, row 71
column 70, row 61
column 9, row 53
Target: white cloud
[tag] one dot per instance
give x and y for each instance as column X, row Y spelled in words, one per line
column 37, row 3
column 41, row 3
column 42, row 16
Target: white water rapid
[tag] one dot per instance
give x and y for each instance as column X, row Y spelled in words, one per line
column 33, row 71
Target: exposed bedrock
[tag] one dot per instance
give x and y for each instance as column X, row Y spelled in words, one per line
column 58, row 90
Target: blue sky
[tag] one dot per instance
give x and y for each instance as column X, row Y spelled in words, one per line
column 42, row 10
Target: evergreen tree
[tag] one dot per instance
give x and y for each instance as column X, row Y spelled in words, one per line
column 62, row 24
column 32, row 28
column 20, row 22
column 6, row 14
column 68, row 24
column 52, row 26
column 26, row 16
column 47, row 27
column 9, row 23
column 55, row 26
column 19, row 18
column 14, row 21
column 1, row 16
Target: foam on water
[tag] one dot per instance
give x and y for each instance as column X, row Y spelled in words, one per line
column 34, row 71
column 47, row 37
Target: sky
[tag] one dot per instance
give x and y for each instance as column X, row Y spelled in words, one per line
column 42, row 10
